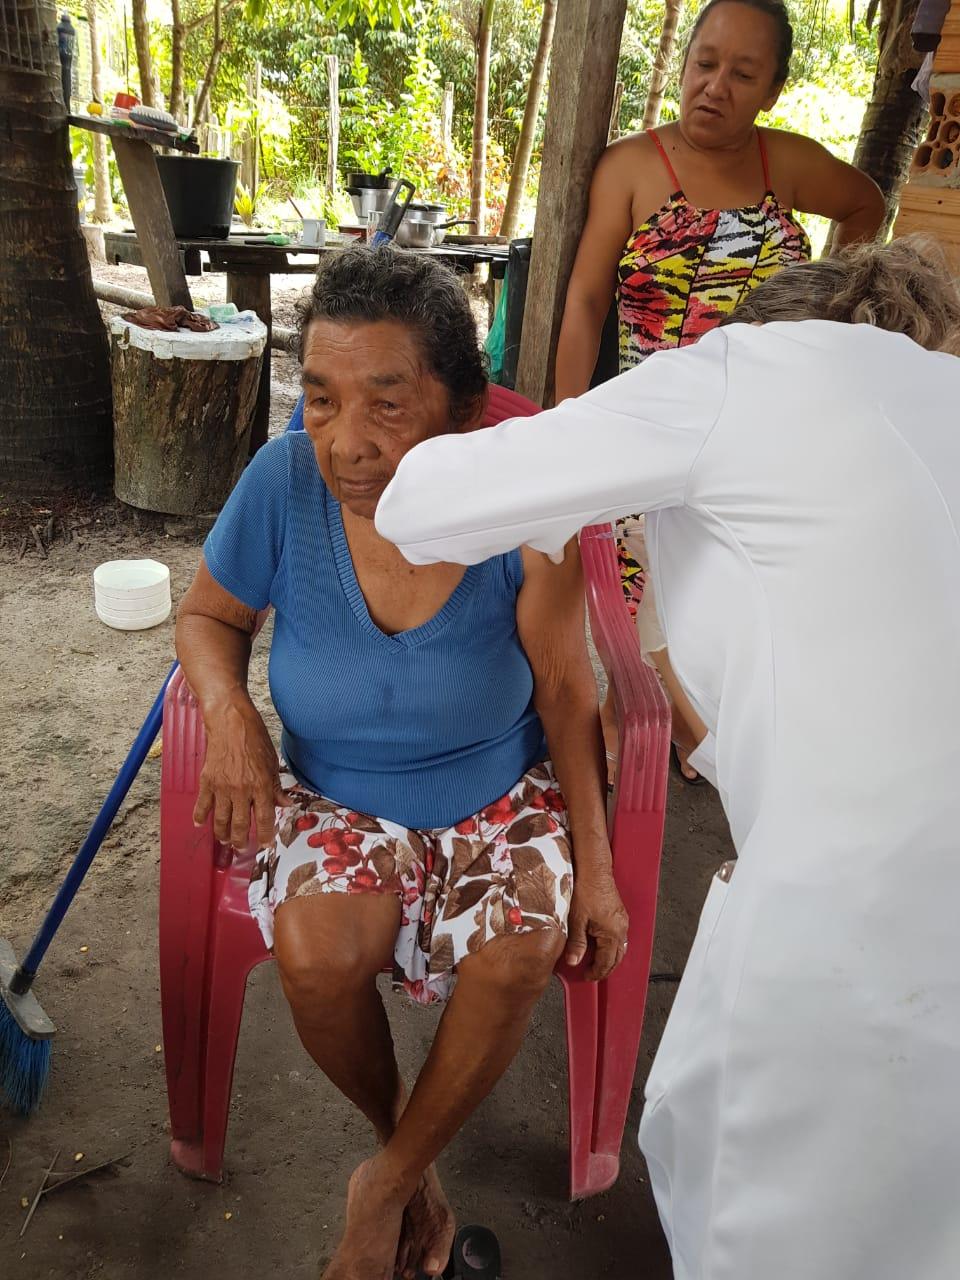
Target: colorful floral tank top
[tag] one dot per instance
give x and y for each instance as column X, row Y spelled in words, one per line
column 685, row 269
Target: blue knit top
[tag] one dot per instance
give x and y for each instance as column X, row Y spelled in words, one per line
column 425, row 727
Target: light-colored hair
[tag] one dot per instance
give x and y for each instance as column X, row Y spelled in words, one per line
column 906, row 286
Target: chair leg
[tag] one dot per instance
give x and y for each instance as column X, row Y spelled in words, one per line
column 623, row 996
column 186, row 886
column 582, row 1012
column 233, row 957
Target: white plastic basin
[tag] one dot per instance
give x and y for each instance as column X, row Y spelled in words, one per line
column 132, row 595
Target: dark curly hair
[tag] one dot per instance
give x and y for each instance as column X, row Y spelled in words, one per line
column 366, row 285
column 774, row 9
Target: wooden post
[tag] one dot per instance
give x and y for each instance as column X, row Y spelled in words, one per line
column 446, row 116
column 249, row 289
column 333, row 127
column 250, row 151
column 151, row 219
column 586, row 48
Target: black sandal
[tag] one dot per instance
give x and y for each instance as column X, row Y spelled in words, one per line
column 475, row 1256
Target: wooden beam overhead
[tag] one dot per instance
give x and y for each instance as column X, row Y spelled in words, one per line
column 583, row 74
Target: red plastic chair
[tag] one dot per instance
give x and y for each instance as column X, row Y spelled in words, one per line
column 209, row 942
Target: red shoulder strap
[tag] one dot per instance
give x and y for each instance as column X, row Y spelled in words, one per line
column 652, row 133
column 764, row 161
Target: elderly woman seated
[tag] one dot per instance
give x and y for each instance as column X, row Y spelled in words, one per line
column 440, row 803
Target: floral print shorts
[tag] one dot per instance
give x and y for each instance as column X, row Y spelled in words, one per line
column 506, row 870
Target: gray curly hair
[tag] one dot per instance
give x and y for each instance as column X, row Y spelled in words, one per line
column 366, row 285
column 906, row 286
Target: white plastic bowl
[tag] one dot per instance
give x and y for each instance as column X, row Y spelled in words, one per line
column 132, row 595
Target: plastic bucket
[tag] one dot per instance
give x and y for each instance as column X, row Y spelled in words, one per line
column 200, row 193
column 132, row 595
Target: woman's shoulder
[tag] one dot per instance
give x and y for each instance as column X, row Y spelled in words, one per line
column 786, row 147
column 631, row 171
column 628, row 154
column 288, row 459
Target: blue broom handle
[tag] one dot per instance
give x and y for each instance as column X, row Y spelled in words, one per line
column 88, row 850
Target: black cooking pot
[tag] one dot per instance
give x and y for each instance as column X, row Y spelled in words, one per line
column 369, row 181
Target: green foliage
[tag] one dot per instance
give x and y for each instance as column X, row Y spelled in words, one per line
column 245, row 202
column 345, row 13
column 396, row 56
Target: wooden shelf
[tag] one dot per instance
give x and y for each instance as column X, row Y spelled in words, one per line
column 121, row 130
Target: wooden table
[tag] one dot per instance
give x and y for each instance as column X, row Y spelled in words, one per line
column 249, row 263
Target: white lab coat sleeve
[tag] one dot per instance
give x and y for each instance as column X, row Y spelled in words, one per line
column 628, row 446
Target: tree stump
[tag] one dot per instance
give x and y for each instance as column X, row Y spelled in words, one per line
column 183, row 409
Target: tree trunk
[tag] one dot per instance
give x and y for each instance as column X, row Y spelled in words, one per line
column 178, row 35
column 660, row 73
column 183, row 428
column 333, row 122
column 55, row 405
column 531, row 114
column 141, row 36
column 895, row 115
column 446, row 117
column 613, row 133
column 211, row 72
column 102, row 199
column 478, row 162
column 249, row 149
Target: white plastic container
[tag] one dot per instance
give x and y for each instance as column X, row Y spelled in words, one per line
column 132, row 595
column 314, row 233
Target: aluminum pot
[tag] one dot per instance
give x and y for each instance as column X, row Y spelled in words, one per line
column 419, row 232
column 415, row 233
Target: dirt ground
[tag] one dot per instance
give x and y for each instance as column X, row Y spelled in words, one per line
column 72, row 697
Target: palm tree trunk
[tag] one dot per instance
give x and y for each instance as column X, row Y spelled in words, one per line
column 478, row 163
column 531, row 114
column 102, row 200
column 660, row 74
column 895, row 116
column 55, row 404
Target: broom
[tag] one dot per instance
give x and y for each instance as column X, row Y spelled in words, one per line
column 25, row 1030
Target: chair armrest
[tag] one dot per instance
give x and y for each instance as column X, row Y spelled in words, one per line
column 643, row 711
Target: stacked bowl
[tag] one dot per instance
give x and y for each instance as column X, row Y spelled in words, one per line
column 132, row 595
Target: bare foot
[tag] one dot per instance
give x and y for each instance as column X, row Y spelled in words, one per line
column 683, row 761
column 368, row 1249
column 428, row 1230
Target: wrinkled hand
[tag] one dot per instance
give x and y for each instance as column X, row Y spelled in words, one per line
column 241, row 773
column 596, row 914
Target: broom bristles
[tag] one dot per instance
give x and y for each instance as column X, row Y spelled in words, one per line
column 24, row 1065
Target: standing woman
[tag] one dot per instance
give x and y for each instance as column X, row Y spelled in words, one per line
column 683, row 223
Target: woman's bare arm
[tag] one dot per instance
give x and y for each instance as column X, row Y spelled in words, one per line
column 550, row 622
column 594, row 278
column 829, row 187
column 241, row 771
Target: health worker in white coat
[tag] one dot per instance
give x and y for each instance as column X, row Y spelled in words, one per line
column 801, row 474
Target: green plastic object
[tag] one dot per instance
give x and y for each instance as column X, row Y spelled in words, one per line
column 278, row 238
column 221, row 311
column 496, row 338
